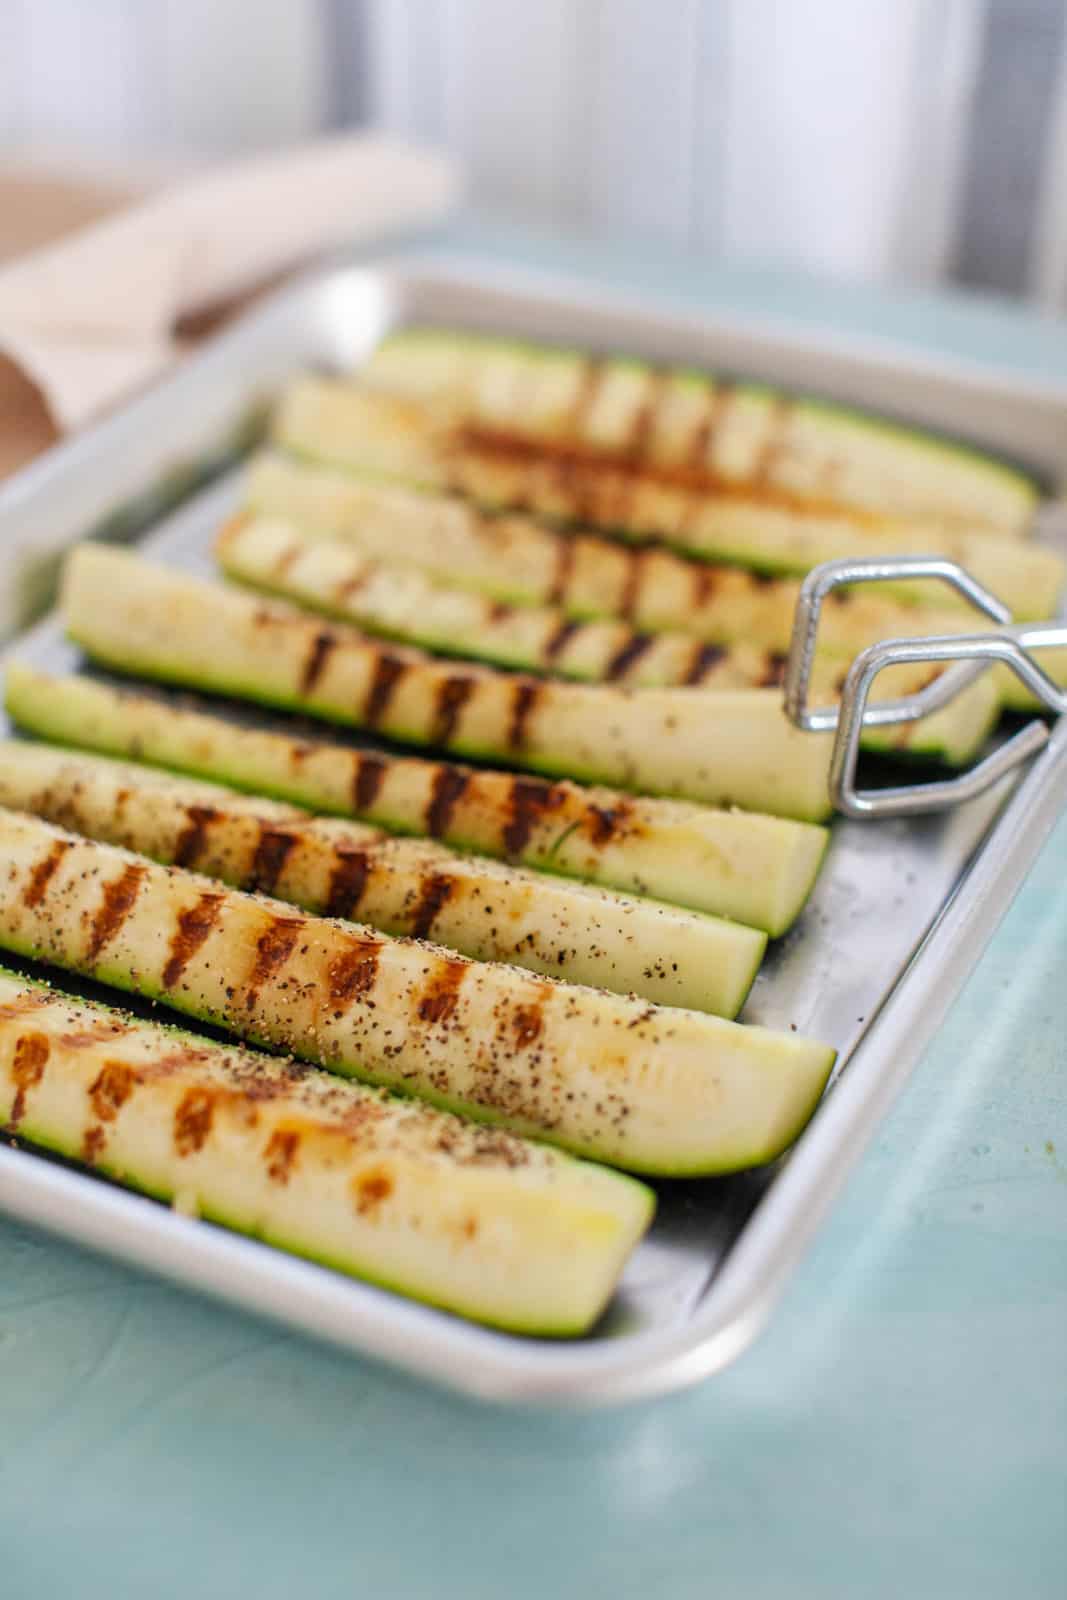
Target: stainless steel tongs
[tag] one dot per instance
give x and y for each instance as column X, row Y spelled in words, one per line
column 971, row 654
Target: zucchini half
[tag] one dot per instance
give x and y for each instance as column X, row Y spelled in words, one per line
column 411, row 887
column 277, row 558
column 330, row 421
column 467, row 1218
column 710, row 432
column 755, row 869
column 652, row 1089
column 719, row 748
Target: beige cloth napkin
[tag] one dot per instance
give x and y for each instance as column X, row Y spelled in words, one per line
column 92, row 318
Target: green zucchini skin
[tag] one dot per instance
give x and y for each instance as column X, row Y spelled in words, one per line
column 335, row 423
column 651, row 1089
column 406, row 887
column 703, row 745
column 714, row 434
column 755, row 869
column 277, row 558
column 472, row 1220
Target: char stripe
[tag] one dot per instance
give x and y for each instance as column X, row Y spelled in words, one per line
column 369, row 777
column 348, row 881
column 637, row 645
column 273, row 849
column 441, row 995
column 449, row 785
column 452, row 695
column 388, row 671
column 43, row 873
column 194, row 925
column 115, row 906
column 558, row 640
column 705, row 657
column 527, row 694
column 436, row 889
column 322, row 646
column 190, row 842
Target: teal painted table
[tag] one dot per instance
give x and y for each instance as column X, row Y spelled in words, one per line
column 901, row 1429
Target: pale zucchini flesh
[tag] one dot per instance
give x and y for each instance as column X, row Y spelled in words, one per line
column 275, row 557
column 411, row 887
column 652, row 1089
column 755, row 869
column 712, row 433
column 470, row 1219
column 329, row 421
column 720, row 748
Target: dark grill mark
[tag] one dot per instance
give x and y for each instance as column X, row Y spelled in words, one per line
column 273, row 949
column 347, row 882
column 527, row 694
column 441, row 995
column 370, row 775
column 111, row 1089
column 43, row 873
column 116, row 904
column 705, row 657
column 190, row 843
column 705, row 582
column 529, row 800
column 354, row 971
column 272, row 851
column 194, row 925
column 644, row 418
column 449, row 784
column 452, row 695
column 564, row 569
column 583, row 400
column 774, row 672
column 280, row 1154
column 436, row 890
column 192, row 1121
column 348, row 588
column 27, row 1069
column 388, row 671
column 559, row 638
column 498, row 611
column 635, row 647
column 603, row 822
column 323, row 644
column 631, row 588
column 526, row 1026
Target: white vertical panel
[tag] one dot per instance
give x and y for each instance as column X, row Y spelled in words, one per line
column 406, row 66
column 1048, row 267
column 943, row 83
column 640, row 77
column 78, row 64
column 235, row 77
column 817, row 134
column 711, row 122
column 512, row 82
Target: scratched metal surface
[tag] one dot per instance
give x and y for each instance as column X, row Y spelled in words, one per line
column 882, row 890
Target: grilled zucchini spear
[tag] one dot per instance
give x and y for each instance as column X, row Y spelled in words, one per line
column 755, row 869
column 721, row 748
column 279, row 559
column 714, row 434
column 333, row 422
column 649, row 1088
column 403, row 886
column 467, row 1218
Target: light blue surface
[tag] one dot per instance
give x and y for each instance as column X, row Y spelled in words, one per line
column 901, row 1429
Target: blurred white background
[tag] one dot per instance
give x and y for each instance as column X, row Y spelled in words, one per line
column 889, row 140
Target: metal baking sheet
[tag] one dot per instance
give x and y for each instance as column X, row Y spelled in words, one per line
column 900, row 914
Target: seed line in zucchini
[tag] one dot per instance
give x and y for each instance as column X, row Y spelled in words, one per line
column 648, row 1088
column 754, row 869
column 277, row 558
column 332, row 422
column 409, row 887
column 470, row 1219
column 701, row 430
column 715, row 747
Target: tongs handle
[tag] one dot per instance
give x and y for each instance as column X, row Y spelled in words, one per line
column 972, row 654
